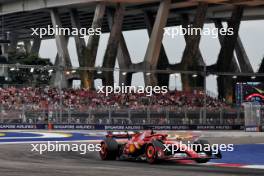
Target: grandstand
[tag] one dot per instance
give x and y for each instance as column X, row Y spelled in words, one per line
column 18, row 17
column 47, row 95
column 38, row 105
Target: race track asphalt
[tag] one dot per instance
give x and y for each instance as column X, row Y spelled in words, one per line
column 18, row 160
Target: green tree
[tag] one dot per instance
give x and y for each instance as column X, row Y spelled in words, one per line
column 36, row 76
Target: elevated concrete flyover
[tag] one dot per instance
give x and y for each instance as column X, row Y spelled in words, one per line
column 20, row 15
column 114, row 16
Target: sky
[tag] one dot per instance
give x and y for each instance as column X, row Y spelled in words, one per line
column 251, row 33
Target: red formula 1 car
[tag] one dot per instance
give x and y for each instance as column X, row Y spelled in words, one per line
column 154, row 147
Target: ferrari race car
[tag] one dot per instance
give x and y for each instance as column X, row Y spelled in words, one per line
column 153, row 147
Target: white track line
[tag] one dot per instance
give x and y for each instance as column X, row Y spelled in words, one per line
column 43, row 136
column 253, row 166
column 233, row 165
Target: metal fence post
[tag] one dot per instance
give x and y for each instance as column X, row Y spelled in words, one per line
column 185, row 116
column 200, row 116
column 238, row 116
column 221, row 116
column 23, row 115
column 69, row 114
column 90, row 116
column 129, row 116
column 148, row 115
column 1, row 114
column 167, row 116
column 109, row 114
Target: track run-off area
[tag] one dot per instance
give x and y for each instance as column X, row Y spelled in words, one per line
column 16, row 157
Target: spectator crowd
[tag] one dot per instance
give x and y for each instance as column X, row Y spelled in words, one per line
column 35, row 99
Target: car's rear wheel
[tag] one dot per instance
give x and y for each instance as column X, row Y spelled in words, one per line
column 204, row 148
column 151, row 154
column 109, row 149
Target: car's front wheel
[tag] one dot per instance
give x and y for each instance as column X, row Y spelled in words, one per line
column 204, row 148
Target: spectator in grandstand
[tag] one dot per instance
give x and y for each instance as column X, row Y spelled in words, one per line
column 37, row 99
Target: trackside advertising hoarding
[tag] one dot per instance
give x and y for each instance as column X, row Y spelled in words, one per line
column 22, row 126
column 121, row 127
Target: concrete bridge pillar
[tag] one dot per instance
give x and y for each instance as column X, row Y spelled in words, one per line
column 124, row 62
column 242, row 57
column 233, row 64
column 63, row 54
column 4, row 49
column 261, row 70
column 35, row 46
column 155, row 43
column 27, row 45
column 5, row 46
column 13, row 42
column 123, row 56
column 225, row 62
column 80, row 47
column 90, row 52
column 196, row 63
column 113, row 45
column 163, row 62
column 191, row 55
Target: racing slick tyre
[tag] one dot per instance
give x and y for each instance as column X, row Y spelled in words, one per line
column 151, row 151
column 109, row 149
column 204, row 144
column 151, row 155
